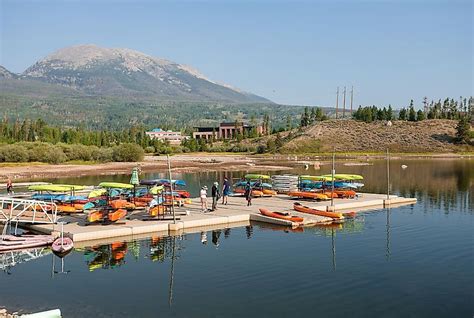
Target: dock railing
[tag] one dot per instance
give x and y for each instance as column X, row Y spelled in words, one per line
column 15, row 210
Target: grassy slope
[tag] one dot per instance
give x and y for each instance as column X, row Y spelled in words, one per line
column 353, row 136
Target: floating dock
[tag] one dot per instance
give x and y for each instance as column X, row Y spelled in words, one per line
column 190, row 218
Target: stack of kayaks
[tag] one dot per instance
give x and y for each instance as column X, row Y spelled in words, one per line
column 285, row 183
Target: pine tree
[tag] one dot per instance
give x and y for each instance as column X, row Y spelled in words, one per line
column 411, row 112
column 288, row 123
column 402, row 115
column 389, row 112
column 463, row 130
column 420, row 115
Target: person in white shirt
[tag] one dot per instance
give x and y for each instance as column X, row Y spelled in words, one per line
column 203, row 196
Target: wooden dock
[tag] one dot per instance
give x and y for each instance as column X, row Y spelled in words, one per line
column 192, row 219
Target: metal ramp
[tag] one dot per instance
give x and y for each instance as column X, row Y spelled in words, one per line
column 15, row 210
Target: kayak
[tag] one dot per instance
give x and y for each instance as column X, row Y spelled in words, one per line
column 255, row 193
column 156, row 210
column 269, row 192
column 67, row 209
column 10, row 242
column 304, row 209
column 281, row 215
column 345, row 193
column 117, row 215
column 121, row 204
column 95, row 216
column 308, row 195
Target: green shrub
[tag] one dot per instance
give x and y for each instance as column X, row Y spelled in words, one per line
column 128, row 153
column 13, row 153
column 150, row 149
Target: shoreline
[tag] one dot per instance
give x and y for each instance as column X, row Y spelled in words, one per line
column 196, row 162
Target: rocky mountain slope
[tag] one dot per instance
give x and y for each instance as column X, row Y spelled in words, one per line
column 98, row 71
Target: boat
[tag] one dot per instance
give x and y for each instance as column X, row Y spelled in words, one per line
column 117, row 215
column 252, row 176
column 255, row 193
column 305, row 209
column 62, row 246
column 66, row 208
column 115, row 185
column 281, row 215
column 308, row 195
column 156, row 210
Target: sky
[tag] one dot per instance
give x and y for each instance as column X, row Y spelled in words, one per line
column 292, row 52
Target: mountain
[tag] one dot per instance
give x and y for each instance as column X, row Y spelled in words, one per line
column 4, row 73
column 96, row 71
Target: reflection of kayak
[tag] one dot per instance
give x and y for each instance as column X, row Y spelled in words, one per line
column 308, row 195
column 280, row 215
column 117, row 215
column 301, row 208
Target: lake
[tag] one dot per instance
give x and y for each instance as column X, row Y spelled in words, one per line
column 411, row 261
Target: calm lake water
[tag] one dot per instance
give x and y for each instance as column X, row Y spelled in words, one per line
column 412, row 261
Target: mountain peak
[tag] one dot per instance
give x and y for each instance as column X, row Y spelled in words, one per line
column 97, row 70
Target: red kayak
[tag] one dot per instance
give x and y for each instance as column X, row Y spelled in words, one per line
column 281, row 215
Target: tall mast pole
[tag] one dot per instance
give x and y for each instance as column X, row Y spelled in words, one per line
column 352, row 97
column 344, row 104
column 337, row 100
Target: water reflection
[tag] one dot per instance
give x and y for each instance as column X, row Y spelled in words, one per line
column 10, row 259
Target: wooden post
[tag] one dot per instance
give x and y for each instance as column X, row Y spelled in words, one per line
column 171, row 188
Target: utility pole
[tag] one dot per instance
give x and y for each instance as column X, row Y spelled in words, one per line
column 337, row 100
column 344, row 104
column 352, row 97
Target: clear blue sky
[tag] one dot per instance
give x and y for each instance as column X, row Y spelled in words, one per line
column 290, row 52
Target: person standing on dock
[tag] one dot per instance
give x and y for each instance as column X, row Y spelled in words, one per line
column 225, row 191
column 9, row 186
column 203, row 196
column 215, row 195
column 248, row 193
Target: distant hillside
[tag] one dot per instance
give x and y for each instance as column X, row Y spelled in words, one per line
column 350, row 135
column 97, row 71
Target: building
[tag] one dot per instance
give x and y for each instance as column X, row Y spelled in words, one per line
column 226, row 131
column 174, row 137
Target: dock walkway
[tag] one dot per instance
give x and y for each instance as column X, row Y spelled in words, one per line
column 191, row 218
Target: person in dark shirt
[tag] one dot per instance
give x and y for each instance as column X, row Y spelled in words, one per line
column 225, row 191
column 215, row 195
column 248, row 193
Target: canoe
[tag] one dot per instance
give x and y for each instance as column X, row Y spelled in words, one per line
column 304, row 209
column 117, row 215
column 281, row 215
column 62, row 246
column 95, row 216
column 308, row 195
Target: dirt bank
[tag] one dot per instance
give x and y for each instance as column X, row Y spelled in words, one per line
column 179, row 163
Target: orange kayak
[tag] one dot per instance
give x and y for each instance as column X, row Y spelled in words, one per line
column 301, row 208
column 95, row 216
column 159, row 209
column 67, row 209
column 280, row 215
column 308, row 195
column 117, row 215
column 255, row 193
column 329, row 194
column 345, row 193
column 269, row 192
column 143, row 199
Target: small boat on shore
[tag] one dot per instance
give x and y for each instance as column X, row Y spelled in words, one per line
column 62, row 246
column 305, row 209
column 281, row 215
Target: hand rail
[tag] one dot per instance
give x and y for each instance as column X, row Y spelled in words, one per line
column 27, row 211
